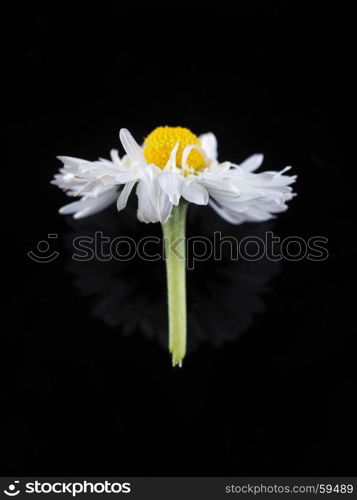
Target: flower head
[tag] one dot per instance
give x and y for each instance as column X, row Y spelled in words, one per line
column 174, row 164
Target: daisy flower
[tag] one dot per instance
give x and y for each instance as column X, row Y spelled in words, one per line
column 173, row 168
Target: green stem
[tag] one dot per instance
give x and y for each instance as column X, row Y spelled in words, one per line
column 175, row 255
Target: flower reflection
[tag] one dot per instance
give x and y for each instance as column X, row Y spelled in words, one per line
column 224, row 295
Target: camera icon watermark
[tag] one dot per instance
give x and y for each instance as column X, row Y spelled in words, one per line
column 12, row 490
column 43, row 253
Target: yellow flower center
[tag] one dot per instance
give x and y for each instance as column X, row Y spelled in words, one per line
column 160, row 142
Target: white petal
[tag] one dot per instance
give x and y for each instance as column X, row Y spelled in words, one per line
column 147, row 199
column 209, row 145
column 165, row 207
column 72, row 208
column 124, row 195
column 131, row 147
column 72, row 162
column 94, row 208
column 188, row 150
column 89, row 206
column 153, row 203
column 115, row 157
column 195, row 193
column 257, row 214
column 252, row 163
column 171, row 164
column 124, row 177
column 170, row 183
column 227, row 214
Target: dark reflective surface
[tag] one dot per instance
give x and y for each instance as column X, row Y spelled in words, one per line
column 129, row 293
column 87, row 386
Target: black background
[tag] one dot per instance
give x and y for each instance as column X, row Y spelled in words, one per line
column 81, row 398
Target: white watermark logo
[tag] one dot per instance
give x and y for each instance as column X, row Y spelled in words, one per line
column 69, row 488
column 12, row 490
